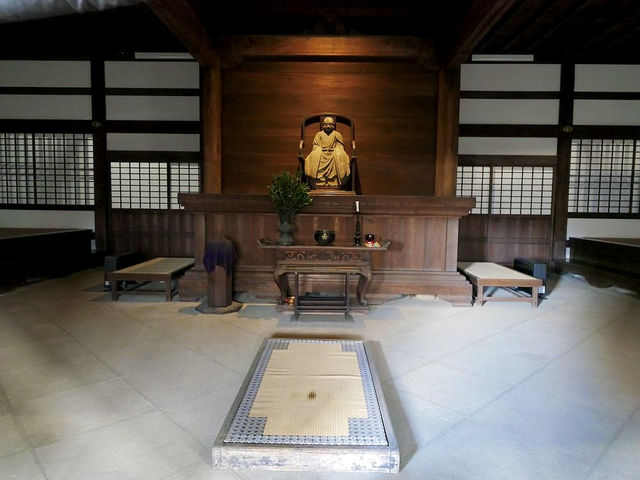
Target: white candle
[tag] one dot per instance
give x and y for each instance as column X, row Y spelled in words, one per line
column 357, row 206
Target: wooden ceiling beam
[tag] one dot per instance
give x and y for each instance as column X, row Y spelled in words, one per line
column 236, row 48
column 615, row 31
column 185, row 21
column 522, row 25
column 559, row 28
column 477, row 22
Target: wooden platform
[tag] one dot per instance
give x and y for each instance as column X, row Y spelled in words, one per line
column 605, row 262
column 489, row 274
column 422, row 231
column 32, row 253
column 309, row 404
column 160, row 269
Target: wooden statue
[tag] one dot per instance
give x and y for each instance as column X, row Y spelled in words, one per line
column 327, row 165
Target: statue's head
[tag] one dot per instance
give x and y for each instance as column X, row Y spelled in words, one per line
column 328, row 125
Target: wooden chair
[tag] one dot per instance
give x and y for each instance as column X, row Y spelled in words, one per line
column 353, row 182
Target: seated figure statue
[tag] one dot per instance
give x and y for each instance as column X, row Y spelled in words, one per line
column 327, row 165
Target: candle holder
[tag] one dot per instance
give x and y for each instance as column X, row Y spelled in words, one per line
column 357, row 237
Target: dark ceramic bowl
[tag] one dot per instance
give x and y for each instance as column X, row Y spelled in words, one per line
column 324, row 237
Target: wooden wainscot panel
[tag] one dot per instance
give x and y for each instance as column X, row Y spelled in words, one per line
column 423, row 232
column 472, row 244
column 154, row 233
column 512, row 236
column 501, row 238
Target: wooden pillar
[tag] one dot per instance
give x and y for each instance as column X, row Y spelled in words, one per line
column 194, row 283
column 447, row 133
column 211, row 121
column 102, row 180
column 185, row 19
column 561, row 177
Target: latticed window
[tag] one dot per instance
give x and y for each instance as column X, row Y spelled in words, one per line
column 185, row 178
column 152, row 185
column 46, row 169
column 521, row 190
column 604, row 176
column 507, row 190
column 474, row 181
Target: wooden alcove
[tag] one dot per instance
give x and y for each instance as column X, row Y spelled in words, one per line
column 406, row 107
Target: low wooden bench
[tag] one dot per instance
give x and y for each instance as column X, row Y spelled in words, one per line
column 489, row 274
column 160, row 269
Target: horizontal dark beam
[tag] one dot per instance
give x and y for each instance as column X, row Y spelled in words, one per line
column 146, row 156
column 544, row 131
column 48, row 206
column 509, row 160
column 611, row 131
column 162, row 92
column 607, row 95
column 468, row 130
column 603, row 215
column 509, row 95
column 150, row 126
column 45, row 90
column 46, row 126
column 327, row 48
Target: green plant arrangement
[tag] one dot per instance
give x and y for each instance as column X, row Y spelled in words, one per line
column 289, row 195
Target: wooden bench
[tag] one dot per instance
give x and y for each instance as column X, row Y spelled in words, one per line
column 489, row 274
column 160, row 269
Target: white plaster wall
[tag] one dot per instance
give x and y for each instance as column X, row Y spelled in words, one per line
column 607, row 78
column 510, row 77
column 75, row 74
column 18, row 73
column 606, row 112
column 603, row 227
column 121, row 107
column 154, row 142
column 39, row 73
column 45, row 107
column 507, row 146
column 78, row 107
column 506, row 78
column 509, row 112
column 152, row 75
column 47, row 219
column 517, row 77
column 158, row 74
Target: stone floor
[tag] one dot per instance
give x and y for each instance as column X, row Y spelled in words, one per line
column 138, row 389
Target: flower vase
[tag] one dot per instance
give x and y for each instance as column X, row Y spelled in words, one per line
column 286, row 228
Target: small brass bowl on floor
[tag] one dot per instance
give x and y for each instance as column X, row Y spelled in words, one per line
column 324, row 237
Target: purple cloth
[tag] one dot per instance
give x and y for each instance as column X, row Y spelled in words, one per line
column 219, row 253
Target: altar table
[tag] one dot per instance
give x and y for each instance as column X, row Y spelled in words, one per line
column 336, row 259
